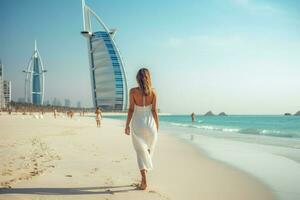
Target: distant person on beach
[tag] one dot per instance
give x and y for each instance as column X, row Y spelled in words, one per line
column 98, row 116
column 71, row 114
column 193, row 116
column 55, row 113
column 142, row 114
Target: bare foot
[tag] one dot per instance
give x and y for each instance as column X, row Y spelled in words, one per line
column 143, row 185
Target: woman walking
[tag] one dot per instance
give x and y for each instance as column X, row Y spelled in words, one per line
column 143, row 116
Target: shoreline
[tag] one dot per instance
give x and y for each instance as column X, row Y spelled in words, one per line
column 275, row 166
column 88, row 165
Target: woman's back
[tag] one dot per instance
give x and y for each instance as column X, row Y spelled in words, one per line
column 140, row 99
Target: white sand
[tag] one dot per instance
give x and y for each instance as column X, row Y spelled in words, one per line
column 72, row 159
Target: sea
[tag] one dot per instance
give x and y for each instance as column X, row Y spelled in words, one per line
column 265, row 146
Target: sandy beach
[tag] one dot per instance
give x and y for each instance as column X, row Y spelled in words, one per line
column 73, row 159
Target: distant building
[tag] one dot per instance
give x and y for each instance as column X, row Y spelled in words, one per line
column 21, row 100
column 56, row 102
column 7, row 92
column 47, row 102
column 67, row 103
column 1, row 69
column 2, row 101
column 5, row 89
column 78, row 104
column 35, row 79
column 108, row 77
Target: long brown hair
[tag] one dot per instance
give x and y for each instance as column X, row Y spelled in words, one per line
column 144, row 80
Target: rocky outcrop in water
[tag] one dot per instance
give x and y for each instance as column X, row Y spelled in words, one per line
column 209, row 113
column 297, row 113
column 287, row 114
column 222, row 114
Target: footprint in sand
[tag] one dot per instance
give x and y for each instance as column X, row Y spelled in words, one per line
column 36, row 171
column 160, row 195
column 69, row 175
column 32, row 163
column 93, row 171
column 25, row 177
column 7, row 172
column 5, row 184
column 109, row 181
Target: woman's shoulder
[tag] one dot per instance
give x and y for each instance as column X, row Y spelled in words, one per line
column 134, row 89
column 153, row 91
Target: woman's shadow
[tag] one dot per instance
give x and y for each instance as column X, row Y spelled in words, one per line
column 70, row 191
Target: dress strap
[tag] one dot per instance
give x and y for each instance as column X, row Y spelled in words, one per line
column 143, row 100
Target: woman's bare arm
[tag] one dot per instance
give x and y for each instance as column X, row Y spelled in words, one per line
column 130, row 112
column 154, row 110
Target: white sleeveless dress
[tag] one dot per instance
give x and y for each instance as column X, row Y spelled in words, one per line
column 144, row 135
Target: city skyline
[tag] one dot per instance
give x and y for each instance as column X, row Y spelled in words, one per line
column 236, row 56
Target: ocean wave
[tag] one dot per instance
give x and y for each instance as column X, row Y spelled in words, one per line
column 206, row 127
column 231, row 129
column 179, row 124
column 267, row 132
column 252, row 131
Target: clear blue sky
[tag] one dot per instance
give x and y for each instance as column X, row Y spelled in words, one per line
column 237, row 56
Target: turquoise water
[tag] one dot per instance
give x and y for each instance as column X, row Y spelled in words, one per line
column 268, row 125
column 267, row 147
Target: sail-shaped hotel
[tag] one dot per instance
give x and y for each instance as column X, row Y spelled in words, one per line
column 35, row 79
column 108, row 77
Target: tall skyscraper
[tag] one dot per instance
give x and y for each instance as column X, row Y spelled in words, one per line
column 35, row 79
column 67, row 103
column 2, row 100
column 78, row 104
column 108, row 77
column 21, row 100
column 5, row 89
column 1, row 69
column 7, row 92
column 47, row 102
column 56, row 102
